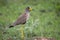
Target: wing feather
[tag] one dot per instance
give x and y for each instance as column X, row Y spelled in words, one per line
column 21, row 20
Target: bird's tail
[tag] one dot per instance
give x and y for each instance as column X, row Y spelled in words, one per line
column 11, row 26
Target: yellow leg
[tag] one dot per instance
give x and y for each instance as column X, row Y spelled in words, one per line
column 22, row 32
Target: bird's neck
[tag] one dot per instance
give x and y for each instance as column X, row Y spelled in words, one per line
column 27, row 11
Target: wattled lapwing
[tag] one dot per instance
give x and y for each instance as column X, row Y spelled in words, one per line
column 22, row 19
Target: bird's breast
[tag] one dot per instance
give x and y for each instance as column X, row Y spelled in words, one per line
column 27, row 16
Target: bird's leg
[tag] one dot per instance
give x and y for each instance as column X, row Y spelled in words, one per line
column 22, row 32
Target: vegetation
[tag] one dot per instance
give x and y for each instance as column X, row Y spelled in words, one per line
column 44, row 20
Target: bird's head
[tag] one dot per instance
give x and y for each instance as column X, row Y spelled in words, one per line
column 29, row 9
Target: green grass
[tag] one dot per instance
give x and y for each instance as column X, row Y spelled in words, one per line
column 46, row 24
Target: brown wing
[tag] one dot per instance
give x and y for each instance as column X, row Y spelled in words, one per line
column 21, row 20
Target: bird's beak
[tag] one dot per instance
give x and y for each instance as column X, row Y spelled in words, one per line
column 30, row 9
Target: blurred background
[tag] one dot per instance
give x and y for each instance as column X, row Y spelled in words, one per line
column 43, row 22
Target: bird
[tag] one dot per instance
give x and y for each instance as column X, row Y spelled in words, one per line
column 22, row 19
